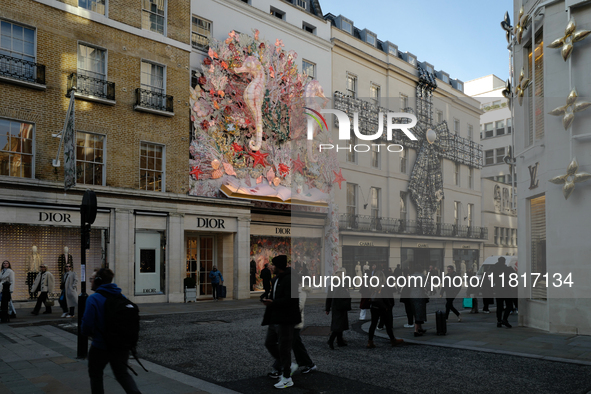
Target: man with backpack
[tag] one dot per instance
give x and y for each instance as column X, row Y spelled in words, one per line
column 113, row 323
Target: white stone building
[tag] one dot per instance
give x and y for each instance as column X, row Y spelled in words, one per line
column 498, row 213
column 553, row 230
column 378, row 221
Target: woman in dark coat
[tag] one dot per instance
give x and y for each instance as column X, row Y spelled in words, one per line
column 339, row 301
column 382, row 302
column 418, row 300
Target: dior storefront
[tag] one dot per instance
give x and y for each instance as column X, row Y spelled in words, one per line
column 31, row 235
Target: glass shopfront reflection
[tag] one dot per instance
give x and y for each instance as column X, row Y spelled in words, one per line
column 466, row 260
column 411, row 258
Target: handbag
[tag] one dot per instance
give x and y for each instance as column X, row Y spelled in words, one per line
column 49, row 302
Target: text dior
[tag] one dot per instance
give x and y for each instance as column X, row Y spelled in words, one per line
column 210, row 223
column 54, row 217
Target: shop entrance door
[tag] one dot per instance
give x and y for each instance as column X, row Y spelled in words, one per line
column 200, row 261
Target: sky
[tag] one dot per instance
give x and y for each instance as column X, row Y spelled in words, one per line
column 462, row 37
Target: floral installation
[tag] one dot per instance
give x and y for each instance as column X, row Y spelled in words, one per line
column 250, row 125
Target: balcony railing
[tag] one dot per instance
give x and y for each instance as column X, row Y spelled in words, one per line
column 348, row 222
column 91, row 87
column 22, row 70
column 147, row 99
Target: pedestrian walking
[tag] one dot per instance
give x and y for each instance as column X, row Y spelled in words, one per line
column 365, row 302
column 93, row 325
column 266, row 277
column 503, row 295
column 7, row 276
column 405, row 299
column 339, row 301
column 217, row 280
column 472, row 291
column 418, row 300
column 253, row 274
column 450, row 292
column 281, row 315
column 382, row 302
column 302, row 358
column 44, row 283
column 68, row 299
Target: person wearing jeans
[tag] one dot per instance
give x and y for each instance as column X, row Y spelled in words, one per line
column 216, row 281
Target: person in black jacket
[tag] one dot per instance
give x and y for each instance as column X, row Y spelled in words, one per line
column 504, row 293
column 382, row 302
column 281, row 315
column 451, row 293
column 339, row 301
column 266, row 277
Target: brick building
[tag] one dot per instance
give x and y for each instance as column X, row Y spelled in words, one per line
column 129, row 63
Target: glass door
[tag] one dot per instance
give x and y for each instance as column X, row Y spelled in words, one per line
column 200, row 261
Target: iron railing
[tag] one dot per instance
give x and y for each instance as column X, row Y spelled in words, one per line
column 348, row 222
column 154, row 100
column 89, row 86
column 21, row 69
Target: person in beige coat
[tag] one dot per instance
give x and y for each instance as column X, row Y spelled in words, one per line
column 44, row 283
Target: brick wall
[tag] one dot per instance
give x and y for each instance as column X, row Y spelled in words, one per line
column 58, row 34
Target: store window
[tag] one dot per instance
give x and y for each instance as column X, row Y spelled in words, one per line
column 538, row 245
column 90, row 159
column 150, row 273
column 16, row 149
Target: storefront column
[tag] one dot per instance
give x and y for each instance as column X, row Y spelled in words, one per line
column 175, row 270
column 449, row 255
column 242, row 260
column 123, row 264
column 394, row 258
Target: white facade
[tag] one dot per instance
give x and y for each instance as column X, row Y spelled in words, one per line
column 498, row 214
column 226, row 16
column 554, row 231
column 360, row 65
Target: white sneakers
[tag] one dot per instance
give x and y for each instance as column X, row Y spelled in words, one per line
column 294, row 367
column 64, row 314
column 284, row 383
column 409, row 325
column 69, row 316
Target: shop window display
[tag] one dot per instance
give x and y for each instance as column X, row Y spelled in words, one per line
column 305, row 254
column 27, row 247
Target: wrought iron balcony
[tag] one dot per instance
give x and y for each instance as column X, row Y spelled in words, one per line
column 361, row 223
column 154, row 102
column 22, row 70
column 91, row 87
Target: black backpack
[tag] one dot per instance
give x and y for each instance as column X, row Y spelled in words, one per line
column 122, row 324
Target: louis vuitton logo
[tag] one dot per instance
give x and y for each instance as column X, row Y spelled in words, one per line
column 533, row 175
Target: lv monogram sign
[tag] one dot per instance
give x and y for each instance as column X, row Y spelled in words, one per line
column 533, row 176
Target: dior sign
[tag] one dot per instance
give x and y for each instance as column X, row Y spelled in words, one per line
column 210, row 223
column 54, row 217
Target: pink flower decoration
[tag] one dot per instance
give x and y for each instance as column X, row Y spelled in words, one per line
column 279, row 43
column 256, row 35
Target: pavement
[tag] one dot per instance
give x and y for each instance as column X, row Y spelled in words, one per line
column 37, row 356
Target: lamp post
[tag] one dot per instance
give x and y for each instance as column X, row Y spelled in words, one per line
column 87, row 217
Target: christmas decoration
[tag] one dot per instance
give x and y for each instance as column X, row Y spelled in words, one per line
column 570, row 178
column 570, row 37
column 568, row 111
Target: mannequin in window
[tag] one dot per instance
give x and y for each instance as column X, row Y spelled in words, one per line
column 32, row 263
column 61, row 262
column 366, row 268
column 358, row 270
